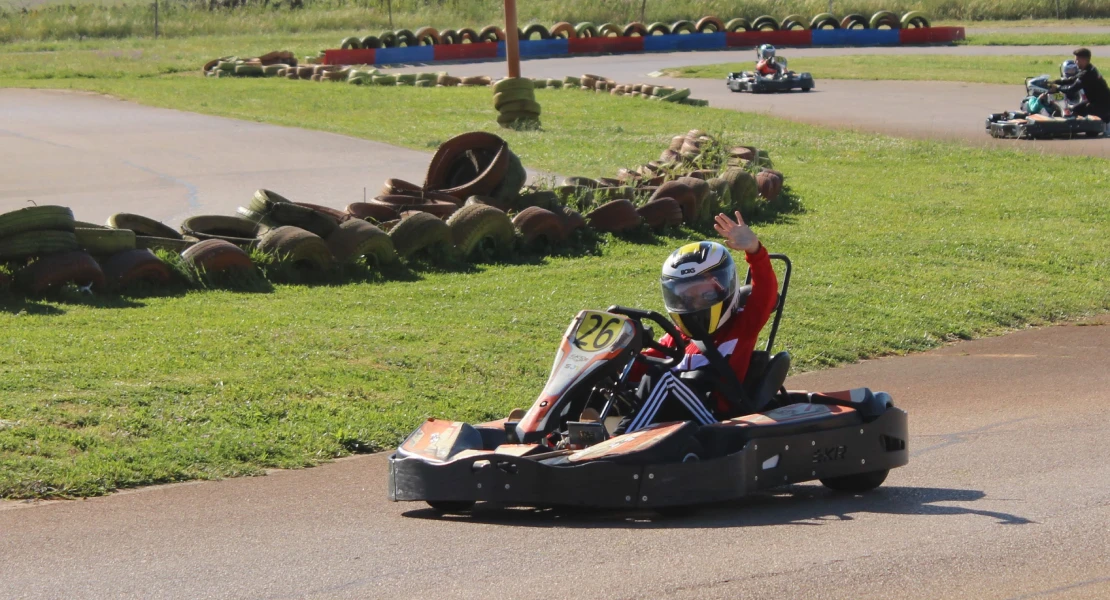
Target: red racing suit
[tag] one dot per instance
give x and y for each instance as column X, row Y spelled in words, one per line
column 737, row 339
column 767, row 67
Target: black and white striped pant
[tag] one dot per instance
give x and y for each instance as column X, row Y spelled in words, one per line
column 670, row 386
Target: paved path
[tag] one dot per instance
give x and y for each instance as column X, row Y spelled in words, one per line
column 101, row 156
column 1007, row 495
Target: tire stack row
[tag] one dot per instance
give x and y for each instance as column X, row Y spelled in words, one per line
column 261, row 66
column 695, row 178
column 514, row 99
column 429, row 36
column 663, row 93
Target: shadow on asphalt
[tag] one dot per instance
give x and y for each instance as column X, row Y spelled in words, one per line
column 806, row 505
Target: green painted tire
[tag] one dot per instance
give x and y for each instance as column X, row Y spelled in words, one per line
column 887, row 18
column 824, row 20
column 586, row 29
column 350, row 43
column 35, row 218
column 418, row 232
column 738, row 24
column 478, row 227
column 765, row 23
column 103, row 241
column 683, row 26
column 914, row 19
column 791, row 22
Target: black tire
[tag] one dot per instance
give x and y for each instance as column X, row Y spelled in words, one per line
column 480, row 227
column 535, row 29
column 406, row 37
column 417, row 232
column 34, row 218
column 860, row 482
column 303, row 248
column 451, row 506
column 142, row 226
column 236, row 230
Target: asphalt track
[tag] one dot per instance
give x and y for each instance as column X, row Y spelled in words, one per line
column 1007, row 495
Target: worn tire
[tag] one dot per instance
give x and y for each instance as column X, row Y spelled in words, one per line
column 142, row 226
column 537, row 30
column 609, row 30
column 614, row 217
column 448, row 171
column 683, row 26
column 687, row 199
column 860, row 482
column 371, row 42
column 887, row 18
column 478, row 225
column 661, row 212
column 635, row 28
column 357, row 239
column 855, row 21
column 491, row 33
column 449, row 36
column 406, row 37
column 738, row 24
column 791, row 21
column 350, row 43
column 743, row 189
column 765, row 23
column 176, row 245
column 378, row 213
column 563, row 30
column 301, row 247
column 659, row 28
column 332, row 213
column 428, row 36
column 824, row 20
column 539, row 226
column 59, row 269
column 36, row 243
column 572, row 220
column 103, row 241
column 237, row 230
column 585, row 29
column 438, row 208
column 467, row 35
column 123, row 269
column 35, row 218
column 417, row 232
column 769, row 184
column 914, row 19
column 217, row 256
column 705, row 23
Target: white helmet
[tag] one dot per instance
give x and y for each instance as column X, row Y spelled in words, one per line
column 766, row 51
column 1069, row 69
column 700, row 288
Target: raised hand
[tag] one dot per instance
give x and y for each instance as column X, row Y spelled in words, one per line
column 737, row 234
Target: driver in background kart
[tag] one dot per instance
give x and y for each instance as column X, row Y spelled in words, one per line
column 703, row 296
column 1091, row 82
column 767, row 65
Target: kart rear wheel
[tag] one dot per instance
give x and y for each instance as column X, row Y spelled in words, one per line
column 860, row 482
column 451, row 506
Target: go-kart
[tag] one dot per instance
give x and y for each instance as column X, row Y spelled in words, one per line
column 563, row 451
column 782, row 81
column 1058, row 123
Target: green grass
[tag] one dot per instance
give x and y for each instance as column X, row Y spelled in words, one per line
column 55, row 20
column 933, row 67
column 898, row 245
column 1037, row 39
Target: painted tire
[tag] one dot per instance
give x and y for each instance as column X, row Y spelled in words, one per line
column 633, row 29
column 738, row 24
column 535, row 29
column 681, row 193
column 417, row 232
column 886, row 18
column 388, row 39
column 100, row 241
column 914, row 19
column 855, row 22
column 357, row 240
column 142, row 225
column 467, row 35
column 427, row 36
column 704, row 24
column 823, row 21
column 660, row 213
column 765, row 23
column 491, row 33
column 449, row 36
column 371, row 42
column 792, row 22
column 479, row 226
column 126, row 268
column 35, row 218
column 302, row 248
column 539, row 226
column 350, row 43
column 451, row 159
column 609, row 30
column 659, row 28
column 615, row 216
column 59, row 269
column 217, row 256
column 235, row 230
column 378, row 213
column 683, row 27
column 563, row 30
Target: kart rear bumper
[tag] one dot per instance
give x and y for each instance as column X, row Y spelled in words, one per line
column 748, row 82
column 763, row 462
column 1017, row 125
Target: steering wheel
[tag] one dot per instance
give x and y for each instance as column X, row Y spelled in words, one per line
column 674, row 355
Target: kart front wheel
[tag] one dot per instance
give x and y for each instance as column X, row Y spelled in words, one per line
column 860, row 482
column 450, row 506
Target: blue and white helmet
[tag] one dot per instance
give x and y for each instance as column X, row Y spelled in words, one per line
column 1069, row 69
column 766, row 51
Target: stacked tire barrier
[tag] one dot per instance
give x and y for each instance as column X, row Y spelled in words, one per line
column 514, row 99
column 233, row 66
column 474, row 204
column 707, row 33
column 598, row 83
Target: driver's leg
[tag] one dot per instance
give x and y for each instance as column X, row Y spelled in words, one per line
column 668, row 398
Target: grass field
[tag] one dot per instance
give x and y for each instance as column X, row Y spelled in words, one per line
column 937, row 67
column 960, row 242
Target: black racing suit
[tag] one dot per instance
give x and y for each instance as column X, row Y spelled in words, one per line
column 1094, row 86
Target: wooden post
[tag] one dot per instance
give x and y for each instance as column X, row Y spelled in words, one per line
column 512, row 41
column 643, row 10
column 389, row 7
column 155, row 19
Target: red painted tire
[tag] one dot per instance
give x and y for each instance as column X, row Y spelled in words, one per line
column 379, row 213
column 217, row 256
column 54, row 270
column 614, row 217
column 687, row 199
column 131, row 266
column 539, row 225
column 661, row 212
column 452, row 171
column 399, row 204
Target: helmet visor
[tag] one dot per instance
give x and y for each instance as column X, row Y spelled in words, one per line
column 692, row 294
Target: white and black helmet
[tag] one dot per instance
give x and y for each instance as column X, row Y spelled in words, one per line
column 766, row 51
column 1069, row 69
column 700, row 288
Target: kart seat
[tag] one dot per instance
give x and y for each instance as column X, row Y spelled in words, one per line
column 766, row 376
